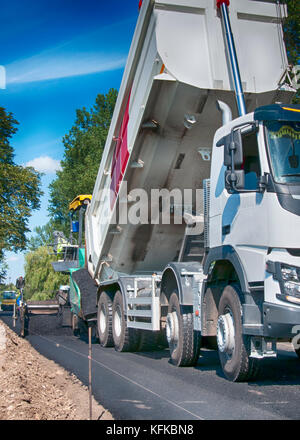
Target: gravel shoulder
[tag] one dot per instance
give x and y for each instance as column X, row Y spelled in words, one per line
column 35, row 388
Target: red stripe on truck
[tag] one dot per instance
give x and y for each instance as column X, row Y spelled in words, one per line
column 120, row 159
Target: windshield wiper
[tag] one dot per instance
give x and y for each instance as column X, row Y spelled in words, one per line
column 291, row 175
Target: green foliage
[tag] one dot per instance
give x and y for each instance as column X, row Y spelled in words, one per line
column 41, row 296
column 43, row 236
column 83, row 148
column 291, row 28
column 292, row 31
column 3, row 271
column 41, row 280
column 5, row 287
column 19, row 191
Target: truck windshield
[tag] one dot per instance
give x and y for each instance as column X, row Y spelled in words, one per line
column 284, row 148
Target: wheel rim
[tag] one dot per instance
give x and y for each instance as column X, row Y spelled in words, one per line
column 74, row 322
column 118, row 321
column 172, row 330
column 102, row 319
column 226, row 334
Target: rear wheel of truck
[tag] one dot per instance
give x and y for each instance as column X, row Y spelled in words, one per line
column 22, row 322
column 125, row 339
column 75, row 324
column 233, row 346
column 104, row 320
column 184, row 342
column 297, row 347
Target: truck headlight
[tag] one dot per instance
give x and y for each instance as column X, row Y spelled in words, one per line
column 290, row 276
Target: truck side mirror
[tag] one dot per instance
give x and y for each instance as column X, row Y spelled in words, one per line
column 233, row 156
column 233, row 149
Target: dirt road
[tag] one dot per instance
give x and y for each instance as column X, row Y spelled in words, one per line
column 35, row 388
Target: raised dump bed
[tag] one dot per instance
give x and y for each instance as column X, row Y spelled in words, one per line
column 165, row 119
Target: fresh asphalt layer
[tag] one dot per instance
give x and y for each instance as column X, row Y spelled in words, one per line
column 145, row 386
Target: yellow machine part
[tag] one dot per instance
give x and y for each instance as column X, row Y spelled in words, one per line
column 8, row 302
column 79, row 201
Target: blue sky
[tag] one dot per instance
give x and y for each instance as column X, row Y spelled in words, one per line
column 58, row 56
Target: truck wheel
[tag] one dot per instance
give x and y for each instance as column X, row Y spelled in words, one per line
column 297, row 348
column 22, row 323
column 75, row 324
column 233, row 346
column 125, row 339
column 184, row 342
column 104, row 320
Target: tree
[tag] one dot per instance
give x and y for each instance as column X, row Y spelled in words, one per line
column 43, row 236
column 3, row 271
column 291, row 28
column 42, row 281
column 9, row 286
column 19, row 191
column 83, row 147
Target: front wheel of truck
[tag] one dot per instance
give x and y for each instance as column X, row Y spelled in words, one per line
column 233, row 346
column 184, row 342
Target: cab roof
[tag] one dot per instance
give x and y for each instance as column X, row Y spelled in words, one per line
column 278, row 112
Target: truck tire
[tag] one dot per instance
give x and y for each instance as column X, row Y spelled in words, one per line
column 104, row 320
column 75, row 324
column 23, row 319
column 297, row 347
column 233, row 346
column 184, row 342
column 125, row 339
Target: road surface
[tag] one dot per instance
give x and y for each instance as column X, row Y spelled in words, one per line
column 145, row 386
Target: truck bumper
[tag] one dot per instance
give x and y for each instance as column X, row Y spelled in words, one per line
column 280, row 320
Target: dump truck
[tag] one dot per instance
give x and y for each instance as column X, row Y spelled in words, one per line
column 192, row 232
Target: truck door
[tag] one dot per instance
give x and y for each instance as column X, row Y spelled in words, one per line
column 244, row 218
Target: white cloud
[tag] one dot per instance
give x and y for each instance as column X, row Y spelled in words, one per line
column 55, row 65
column 44, row 164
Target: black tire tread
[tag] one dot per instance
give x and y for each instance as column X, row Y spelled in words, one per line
column 189, row 348
column 130, row 337
column 248, row 368
column 109, row 302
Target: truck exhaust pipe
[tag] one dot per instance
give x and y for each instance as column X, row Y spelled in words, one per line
column 238, row 87
column 226, row 112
